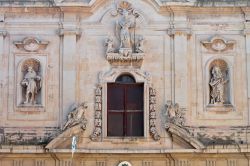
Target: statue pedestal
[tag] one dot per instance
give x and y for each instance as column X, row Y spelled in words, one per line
column 131, row 59
column 30, row 108
column 219, row 107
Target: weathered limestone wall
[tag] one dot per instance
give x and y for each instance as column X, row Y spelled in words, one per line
column 182, row 45
column 233, row 159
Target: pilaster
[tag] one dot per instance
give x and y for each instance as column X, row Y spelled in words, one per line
column 2, row 68
column 68, row 33
column 179, row 37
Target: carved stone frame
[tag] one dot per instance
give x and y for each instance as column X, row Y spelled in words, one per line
column 225, row 107
column 110, row 77
column 20, row 59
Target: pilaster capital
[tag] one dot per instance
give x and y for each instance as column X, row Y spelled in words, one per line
column 179, row 31
column 63, row 32
column 246, row 31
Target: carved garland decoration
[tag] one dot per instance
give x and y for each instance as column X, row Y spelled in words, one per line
column 152, row 114
column 98, row 114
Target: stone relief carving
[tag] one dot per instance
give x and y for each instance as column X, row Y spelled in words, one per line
column 130, row 50
column 152, row 114
column 98, row 114
column 76, row 117
column 217, row 83
column 110, row 45
column 31, row 83
column 174, row 114
column 218, row 44
column 31, row 44
column 140, row 45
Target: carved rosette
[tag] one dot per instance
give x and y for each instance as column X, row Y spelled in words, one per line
column 152, row 114
column 98, row 114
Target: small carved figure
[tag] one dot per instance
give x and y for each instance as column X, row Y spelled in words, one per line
column 32, row 83
column 76, row 117
column 140, row 45
column 217, row 84
column 110, row 45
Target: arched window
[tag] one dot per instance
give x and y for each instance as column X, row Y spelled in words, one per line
column 125, row 107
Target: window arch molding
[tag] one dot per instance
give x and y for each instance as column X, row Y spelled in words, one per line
column 207, row 77
column 110, row 77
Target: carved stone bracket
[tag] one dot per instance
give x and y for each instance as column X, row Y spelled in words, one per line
column 152, row 114
column 98, row 114
column 31, row 44
column 218, row 44
column 76, row 117
column 117, row 57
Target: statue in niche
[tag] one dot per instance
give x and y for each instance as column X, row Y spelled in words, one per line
column 32, row 84
column 140, row 45
column 76, row 117
column 217, row 83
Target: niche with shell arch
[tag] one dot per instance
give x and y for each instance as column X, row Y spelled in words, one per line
column 29, row 83
column 219, row 83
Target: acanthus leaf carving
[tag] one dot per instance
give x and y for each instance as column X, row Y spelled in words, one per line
column 98, row 115
column 77, row 117
column 31, row 44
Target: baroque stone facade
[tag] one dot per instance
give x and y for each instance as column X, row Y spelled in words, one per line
column 189, row 57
